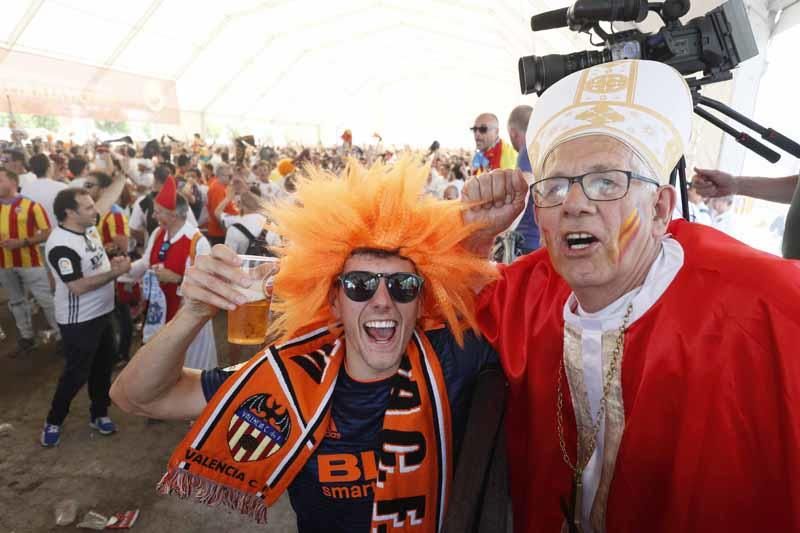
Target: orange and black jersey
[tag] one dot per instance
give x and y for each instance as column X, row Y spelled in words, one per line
column 333, row 492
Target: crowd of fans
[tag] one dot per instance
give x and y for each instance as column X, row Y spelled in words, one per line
column 225, row 187
column 63, row 204
column 200, row 194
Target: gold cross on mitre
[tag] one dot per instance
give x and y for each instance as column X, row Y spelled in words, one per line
column 600, row 114
column 607, row 83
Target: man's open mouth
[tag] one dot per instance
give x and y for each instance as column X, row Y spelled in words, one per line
column 579, row 240
column 380, row 330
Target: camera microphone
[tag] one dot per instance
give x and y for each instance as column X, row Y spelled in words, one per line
column 588, row 12
column 550, row 20
column 612, row 10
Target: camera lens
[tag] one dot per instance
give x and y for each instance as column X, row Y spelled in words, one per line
column 537, row 73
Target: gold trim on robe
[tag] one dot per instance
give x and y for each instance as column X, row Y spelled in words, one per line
column 614, row 415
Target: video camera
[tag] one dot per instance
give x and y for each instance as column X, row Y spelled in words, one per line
column 713, row 44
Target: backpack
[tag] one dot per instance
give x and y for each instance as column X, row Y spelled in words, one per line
column 257, row 245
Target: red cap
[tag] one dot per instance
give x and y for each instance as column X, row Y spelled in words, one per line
column 166, row 197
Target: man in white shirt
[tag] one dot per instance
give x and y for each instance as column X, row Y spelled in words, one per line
column 246, row 232
column 43, row 190
column 84, row 300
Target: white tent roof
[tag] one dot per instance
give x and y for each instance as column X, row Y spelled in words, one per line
column 412, row 70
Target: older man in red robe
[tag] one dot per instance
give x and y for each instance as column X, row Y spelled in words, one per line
column 653, row 364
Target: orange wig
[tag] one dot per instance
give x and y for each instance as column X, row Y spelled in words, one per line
column 382, row 207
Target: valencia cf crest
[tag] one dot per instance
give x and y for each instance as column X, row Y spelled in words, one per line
column 258, row 428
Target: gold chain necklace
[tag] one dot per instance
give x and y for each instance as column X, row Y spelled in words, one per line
column 574, row 510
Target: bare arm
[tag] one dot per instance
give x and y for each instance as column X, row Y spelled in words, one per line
column 110, row 194
column 155, row 383
column 39, row 237
column 14, row 244
column 714, row 183
column 771, row 189
column 119, row 265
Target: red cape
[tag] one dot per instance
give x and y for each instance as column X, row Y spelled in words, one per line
column 711, row 389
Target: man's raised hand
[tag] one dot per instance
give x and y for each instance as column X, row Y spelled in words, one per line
column 495, row 198
column 216, row 281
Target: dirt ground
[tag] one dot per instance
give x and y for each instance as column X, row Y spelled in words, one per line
column 106, row 474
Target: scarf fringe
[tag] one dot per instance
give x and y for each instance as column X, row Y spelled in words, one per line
column 187, row 485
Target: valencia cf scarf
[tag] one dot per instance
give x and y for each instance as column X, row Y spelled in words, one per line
column 266, row 420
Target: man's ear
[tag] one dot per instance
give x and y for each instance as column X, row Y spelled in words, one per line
column 333, row 301
column 665, row 200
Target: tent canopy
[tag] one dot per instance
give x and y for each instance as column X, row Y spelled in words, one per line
column 410, row 70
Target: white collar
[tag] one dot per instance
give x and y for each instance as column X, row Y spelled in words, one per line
column 187, row 230
column 662, row 272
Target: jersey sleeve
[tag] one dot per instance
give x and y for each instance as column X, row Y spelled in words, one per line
column 212, row 380
column 66, row 263
column 40, row 218
column 461, row 364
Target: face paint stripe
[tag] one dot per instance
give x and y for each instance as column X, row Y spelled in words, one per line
column 629, row 231
column 632, row 218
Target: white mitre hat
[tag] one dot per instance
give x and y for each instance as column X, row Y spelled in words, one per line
column 644, row 104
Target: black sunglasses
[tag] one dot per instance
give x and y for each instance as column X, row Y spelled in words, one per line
column 483, row 128
column 360, row 286
column 162, row 252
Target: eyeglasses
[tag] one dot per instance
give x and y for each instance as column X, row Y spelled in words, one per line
column 89, row 185
column 483, row 128
column 162, row 252
column 360, row 286
column 603, row 186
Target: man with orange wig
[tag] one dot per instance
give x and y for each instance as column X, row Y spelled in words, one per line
column 358, row 409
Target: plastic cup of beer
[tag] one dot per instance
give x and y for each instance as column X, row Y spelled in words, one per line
column 247, row 324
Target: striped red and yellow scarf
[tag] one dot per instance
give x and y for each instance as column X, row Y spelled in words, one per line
column 266, row 420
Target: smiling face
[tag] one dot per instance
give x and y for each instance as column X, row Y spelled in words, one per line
column 377, row 331
column 85, row 215
column 603, row 249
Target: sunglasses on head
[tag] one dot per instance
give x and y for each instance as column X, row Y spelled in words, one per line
column 483, row 128
column 360, row 286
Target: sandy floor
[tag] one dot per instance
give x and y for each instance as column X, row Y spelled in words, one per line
column 105, row 474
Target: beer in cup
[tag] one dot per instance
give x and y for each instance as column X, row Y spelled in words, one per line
column 247, row 324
